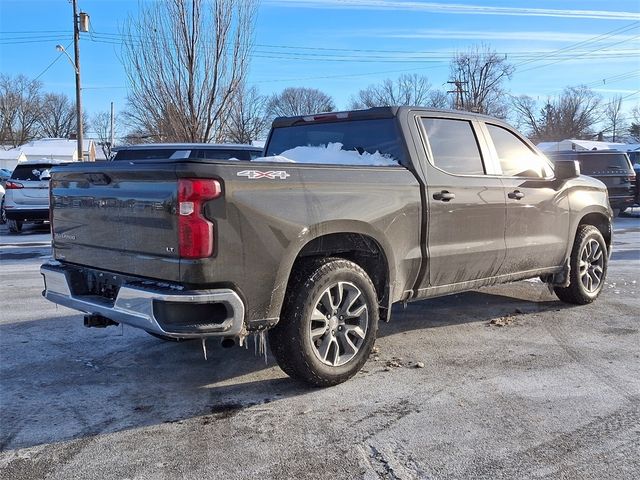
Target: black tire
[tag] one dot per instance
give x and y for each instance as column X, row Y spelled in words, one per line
column 588, row 270
column 3, row 213
column 349, row 336
column 15, row 226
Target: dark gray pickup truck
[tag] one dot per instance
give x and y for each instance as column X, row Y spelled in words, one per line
column 346, row 214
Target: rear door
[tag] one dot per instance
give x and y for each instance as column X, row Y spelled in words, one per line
column 537, row 221
column 465, row 203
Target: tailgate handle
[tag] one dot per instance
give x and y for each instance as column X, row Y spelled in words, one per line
column 98, row 178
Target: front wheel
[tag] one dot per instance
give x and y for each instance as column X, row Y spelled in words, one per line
column 588, row 264
column 329, row 323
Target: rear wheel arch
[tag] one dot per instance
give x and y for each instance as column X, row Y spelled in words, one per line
column 361, row 249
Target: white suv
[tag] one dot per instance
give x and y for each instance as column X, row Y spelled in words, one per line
column 27, row 193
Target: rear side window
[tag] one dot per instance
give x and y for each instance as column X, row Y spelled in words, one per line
column 454, row 146
column 31, row 172
column 516, row 158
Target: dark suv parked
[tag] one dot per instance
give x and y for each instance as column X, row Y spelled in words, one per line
column 176, row 151
column 611, row 167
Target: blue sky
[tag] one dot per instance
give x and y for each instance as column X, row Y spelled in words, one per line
column 341, row 46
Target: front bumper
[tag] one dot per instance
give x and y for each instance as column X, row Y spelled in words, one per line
column 152, row 307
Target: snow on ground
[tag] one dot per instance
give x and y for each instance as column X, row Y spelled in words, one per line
column 331, row 154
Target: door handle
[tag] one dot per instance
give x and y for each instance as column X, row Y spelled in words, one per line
column 444, row 196
column 516, row 194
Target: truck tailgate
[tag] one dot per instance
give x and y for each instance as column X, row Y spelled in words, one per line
column 118, row 217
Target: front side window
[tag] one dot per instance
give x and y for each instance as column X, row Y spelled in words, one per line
column 516, row 158
column 454, row 146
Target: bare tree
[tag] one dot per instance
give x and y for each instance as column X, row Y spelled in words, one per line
column 185, row 60
column 477, row 76
column 439, row 99
column 407, row 89
column 247, row 119
column 572, row 114
column 613, row 118
column 20, row 109
column 299, row 101
column 101, row 123
column 58, row 116
column 634, row 128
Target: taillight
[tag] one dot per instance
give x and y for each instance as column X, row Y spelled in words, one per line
column 195, row 232
column 11, row 185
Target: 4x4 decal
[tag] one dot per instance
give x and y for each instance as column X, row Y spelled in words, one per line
column 271, row 175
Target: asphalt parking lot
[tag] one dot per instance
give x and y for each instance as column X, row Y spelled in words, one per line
column 512, row 384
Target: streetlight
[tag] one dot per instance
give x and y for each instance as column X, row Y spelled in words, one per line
column 61, row 49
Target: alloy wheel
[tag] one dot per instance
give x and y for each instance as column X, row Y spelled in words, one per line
column 591, row 266
column 339, row 324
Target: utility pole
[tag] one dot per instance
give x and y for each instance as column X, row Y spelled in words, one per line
column 459, row 104
column 76, row 48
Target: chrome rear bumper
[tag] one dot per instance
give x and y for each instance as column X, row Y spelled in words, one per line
column 138, row 306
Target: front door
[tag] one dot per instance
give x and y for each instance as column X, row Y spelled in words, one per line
column 537, row 222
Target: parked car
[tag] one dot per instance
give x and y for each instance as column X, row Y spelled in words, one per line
column 636, row 168
column 4, row 176
column 27, row 193
column 611, row 167
column 210, row 151
column 3, row 214
column 347, row 214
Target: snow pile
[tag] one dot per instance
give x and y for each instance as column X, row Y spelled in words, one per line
column 331, row 154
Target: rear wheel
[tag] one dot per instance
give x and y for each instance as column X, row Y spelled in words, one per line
column 588, row 264
column 3, row 213
column 329, row 323
column 15, row 226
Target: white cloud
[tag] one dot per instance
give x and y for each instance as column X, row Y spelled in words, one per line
column 614, row 90
column 489, row 35
column 457, row 8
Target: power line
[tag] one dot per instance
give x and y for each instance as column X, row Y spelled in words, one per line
column 577, row 55
column 610, row 33
column 52, row 63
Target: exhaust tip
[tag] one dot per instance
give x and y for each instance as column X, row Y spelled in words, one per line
column 227, row 342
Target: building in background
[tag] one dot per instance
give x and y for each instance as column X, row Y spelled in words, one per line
column 10, row 158
column 47, row 149
column 580, row 145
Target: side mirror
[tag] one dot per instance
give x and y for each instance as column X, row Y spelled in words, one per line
column 566, row 169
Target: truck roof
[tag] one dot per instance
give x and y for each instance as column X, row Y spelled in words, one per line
column 369, row 114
